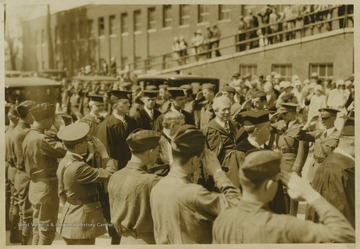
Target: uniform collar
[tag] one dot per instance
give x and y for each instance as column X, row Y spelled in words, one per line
column 176, row 172
column 75, row 155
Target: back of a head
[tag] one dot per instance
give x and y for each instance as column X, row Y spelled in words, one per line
column 259, row 166
column 187, row 142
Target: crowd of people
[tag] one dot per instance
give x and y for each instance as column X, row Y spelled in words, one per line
column 169, row 165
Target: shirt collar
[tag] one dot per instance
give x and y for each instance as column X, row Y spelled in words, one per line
column 150, row 112
column 75, row 155
column 175, row 172
column 221, row 123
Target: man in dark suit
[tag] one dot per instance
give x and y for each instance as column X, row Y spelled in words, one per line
column 178, row 100
column 257, row 125
column 114, row 130
column 146, row 117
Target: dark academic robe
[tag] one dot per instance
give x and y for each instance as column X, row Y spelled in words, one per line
column 143, row 119
column 189, row 119
column 335, row 181
column 231, row 164
column 113, row 134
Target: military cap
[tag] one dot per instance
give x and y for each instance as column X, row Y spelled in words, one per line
column 349, row 125
column 176, row 92
column 261, row 165
column 116, row 95
column 25, row 107
column 328, row 112
column 151, row 87
column 74, row 133
column 43, row 111
column 254, row 117
column 287, row 107
column 229, row 89
column 189, row 140
column 96, row 98
column 141, row 140
column 208, row 86
column 236, row 75
column 150, row 94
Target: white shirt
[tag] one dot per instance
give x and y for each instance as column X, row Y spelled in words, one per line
column 149, row 112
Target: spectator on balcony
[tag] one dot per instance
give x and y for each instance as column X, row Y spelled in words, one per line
column 274, row 27
column 241, row 37
column 176, row 50
column 289, row 21
column 309, row 18
column 251, row 24
column 345, row 10
column 113, row 66
column 198, row 42
column 183, row 49
column 216, row 40
column 264, row 16
column 299, row 22
column 208, row 41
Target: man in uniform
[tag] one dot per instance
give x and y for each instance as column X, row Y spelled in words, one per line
column 335, row 178
column 41, row 151
column 182, row 211
column 114, row 130
column 252, row 221
column 178, row 99
column 206, row 112
column 257, row 126
column 325, row 140
column 93, row 118
column 22, row 180
column 294, row 152
column 81, row 220
column 129, row 190
column 146, row 117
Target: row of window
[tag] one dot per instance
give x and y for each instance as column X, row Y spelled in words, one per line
column 324, row 70
column 86, row 28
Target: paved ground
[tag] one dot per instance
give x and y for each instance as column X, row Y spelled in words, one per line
column 105, row 239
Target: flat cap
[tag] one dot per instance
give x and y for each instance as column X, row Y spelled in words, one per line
column 25, row 107
column 43, row 111
column 96, row 98
column 261, row 165
column 254, row 117
column 116, row 95
column 73, row 133
column 188, row 140
column 150, row 93
column 208, row 86
column 176, row 92
column 349, row 125
column 229, row 89
column 259, row 94
column 141, row 140
column 328, row 112
column 151, row 87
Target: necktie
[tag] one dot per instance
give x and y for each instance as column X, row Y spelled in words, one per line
column 227, row 128
column 125, row 123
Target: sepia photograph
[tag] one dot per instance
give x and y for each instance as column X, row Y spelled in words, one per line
column 143, row 123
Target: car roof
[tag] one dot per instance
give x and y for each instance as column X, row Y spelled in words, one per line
column 174, row 77
column 29, row 81
column 14, row 73
column 51, row 71
column 95, row 78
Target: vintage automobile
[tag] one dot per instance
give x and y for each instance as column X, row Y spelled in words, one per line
column 53, row 74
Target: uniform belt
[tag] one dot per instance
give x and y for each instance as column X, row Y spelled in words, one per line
column 288, row 150
column 319, row 159
column 88, row 199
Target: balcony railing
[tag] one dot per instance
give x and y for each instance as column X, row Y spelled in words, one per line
column 250, row 39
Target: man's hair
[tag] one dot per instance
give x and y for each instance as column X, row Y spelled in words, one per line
column 183, row 158
column 171, row 118
column 249, row 184
column 220, row 100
